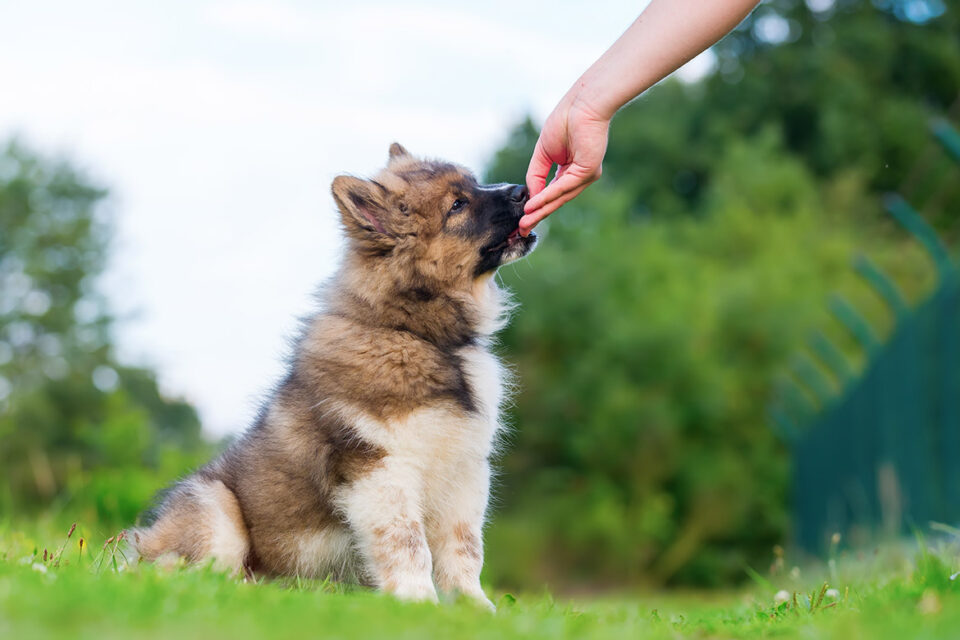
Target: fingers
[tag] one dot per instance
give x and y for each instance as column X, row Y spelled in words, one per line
column 540, row 164
column 530, row 220
column 568, row 179
column 577, row 147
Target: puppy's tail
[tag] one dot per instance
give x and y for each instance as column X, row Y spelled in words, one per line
column 198, row 519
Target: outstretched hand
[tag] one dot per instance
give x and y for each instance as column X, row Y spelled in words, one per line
column 574, row 137
column 667, row 34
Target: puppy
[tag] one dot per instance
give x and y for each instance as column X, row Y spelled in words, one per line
column 371, row 460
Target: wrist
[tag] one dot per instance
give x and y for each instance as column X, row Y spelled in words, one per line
column 589, row 107
column 590, row 96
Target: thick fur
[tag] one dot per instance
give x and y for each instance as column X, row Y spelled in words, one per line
column 371, row 461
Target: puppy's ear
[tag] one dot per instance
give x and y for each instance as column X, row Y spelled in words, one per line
column 397, row 151
column 363, row 209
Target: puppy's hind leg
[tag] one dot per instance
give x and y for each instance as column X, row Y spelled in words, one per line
column 197, row 520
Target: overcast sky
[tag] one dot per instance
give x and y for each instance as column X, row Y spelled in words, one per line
column 218, row 127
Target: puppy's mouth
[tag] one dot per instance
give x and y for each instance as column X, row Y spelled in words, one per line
column 511, row 241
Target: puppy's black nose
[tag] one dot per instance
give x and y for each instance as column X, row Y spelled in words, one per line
column 519, row 193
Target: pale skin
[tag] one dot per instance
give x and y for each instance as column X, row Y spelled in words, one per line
column 574, row 136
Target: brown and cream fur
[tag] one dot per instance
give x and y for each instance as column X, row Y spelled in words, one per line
column 371, row 460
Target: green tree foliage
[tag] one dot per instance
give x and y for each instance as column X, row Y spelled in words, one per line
column 66, row 405
column 664, row 302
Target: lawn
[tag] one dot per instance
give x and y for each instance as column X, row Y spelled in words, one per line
column 88, row 592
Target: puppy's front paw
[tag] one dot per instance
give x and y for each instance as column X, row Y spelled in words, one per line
column 479, row 598
column 473, row 595
column 413, row 591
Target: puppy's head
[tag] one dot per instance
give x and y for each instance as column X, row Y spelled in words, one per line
column 432, row 222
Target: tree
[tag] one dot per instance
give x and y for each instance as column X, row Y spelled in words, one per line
column 665, row 300
column 66, row 405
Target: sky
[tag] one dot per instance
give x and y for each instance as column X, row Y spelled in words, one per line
column 218, row 127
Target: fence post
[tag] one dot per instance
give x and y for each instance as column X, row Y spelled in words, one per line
column 830, row 355
column 882, row 284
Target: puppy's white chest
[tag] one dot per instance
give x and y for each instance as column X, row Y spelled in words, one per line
column 435, row 437
column 450, row 435
column 484, row 374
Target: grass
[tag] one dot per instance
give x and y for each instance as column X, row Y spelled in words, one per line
column 57, row 588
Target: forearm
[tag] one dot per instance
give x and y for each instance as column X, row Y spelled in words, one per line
column 666, row 35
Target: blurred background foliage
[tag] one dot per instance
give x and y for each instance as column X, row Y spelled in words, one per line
column 656, row 316
column 664, row 303
column 77, row 428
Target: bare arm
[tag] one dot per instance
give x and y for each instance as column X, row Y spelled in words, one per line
column 666, row 35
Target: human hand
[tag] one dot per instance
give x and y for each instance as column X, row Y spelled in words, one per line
column 574, row 137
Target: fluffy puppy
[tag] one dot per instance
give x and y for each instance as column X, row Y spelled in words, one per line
column 371, row 460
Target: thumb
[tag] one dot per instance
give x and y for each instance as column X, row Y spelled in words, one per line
column 538, row 169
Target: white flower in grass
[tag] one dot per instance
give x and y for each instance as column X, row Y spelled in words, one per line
column 833, row 594
column 954, row 576
column 781, row 596
column 36, row 566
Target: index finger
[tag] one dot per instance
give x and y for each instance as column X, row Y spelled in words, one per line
column 556, row 189
column 533, row 218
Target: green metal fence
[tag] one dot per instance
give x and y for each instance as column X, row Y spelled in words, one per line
column 883, row 453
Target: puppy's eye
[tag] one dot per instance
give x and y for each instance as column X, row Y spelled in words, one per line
column 458, row 205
